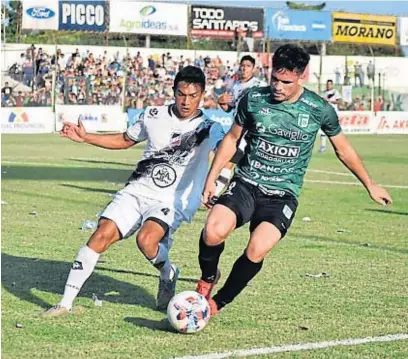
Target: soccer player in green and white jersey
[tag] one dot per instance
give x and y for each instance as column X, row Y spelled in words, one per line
column 281, row 121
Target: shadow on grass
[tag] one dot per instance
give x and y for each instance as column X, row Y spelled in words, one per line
column 350, row 243
column 387, row 211
column 20, row 275
column 80, row 174
column 90, row 189
column 160, row 325
column 82, row 160
column 125, row 271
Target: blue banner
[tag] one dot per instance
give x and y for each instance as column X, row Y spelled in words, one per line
column 224, row 118
column 298, row 25
column 82, row 15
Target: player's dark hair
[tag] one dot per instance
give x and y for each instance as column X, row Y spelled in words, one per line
column 247, row 58
column 329, row 81
column 190, row 75
column 290, row 57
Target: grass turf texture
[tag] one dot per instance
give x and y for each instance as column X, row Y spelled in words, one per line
column 66, row 183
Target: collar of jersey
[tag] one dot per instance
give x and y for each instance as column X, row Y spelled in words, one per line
column 171, row 113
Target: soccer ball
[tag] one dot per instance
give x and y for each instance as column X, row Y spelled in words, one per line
column 188, row 312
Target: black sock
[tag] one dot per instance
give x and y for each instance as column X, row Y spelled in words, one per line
column 242, row 272
column 208, row 257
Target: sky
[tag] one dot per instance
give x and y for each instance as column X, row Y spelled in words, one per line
column 398, row 8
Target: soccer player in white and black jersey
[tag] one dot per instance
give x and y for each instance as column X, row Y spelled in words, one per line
column 163, row 191
column 228, row 101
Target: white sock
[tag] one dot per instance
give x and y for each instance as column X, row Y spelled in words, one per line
column 222, row 181
column 162, row 263
column 323, row 140
column 81, row 269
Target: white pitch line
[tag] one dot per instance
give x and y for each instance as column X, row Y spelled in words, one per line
column 332, row 173
column 355, row 184
column 297, row 347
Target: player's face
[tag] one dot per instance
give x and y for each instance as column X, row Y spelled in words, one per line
column 329, row 85
column 188, row 97
column 246, row 69
column 284, row 84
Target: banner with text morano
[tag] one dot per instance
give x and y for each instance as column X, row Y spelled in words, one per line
column 363, row 28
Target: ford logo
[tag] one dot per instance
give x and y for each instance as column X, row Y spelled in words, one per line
column 40, row 12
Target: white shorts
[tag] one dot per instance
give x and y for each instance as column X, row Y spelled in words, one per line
column 129, row 212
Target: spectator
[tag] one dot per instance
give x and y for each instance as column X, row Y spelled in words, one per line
column 379, row 104
column 370, row 71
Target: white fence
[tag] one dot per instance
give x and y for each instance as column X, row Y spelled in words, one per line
column 112, row 119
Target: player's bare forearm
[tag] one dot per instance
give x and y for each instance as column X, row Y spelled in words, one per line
column 223, row 155
column 117, row 141
column 352, row 161
column 349, row 157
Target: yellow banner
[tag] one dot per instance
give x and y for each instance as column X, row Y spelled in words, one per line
column 362, row 28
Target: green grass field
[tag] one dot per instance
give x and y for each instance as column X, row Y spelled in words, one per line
column 66, row 183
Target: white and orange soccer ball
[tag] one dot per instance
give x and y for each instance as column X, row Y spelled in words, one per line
column 188, row 312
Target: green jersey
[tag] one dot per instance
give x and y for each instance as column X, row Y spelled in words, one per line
column 280, row 138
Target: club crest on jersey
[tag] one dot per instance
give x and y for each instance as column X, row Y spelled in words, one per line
column 163, row 175
column 303, row 120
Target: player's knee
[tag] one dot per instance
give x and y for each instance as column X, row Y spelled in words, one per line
column 102, row 239
column 216, row 232
column 146, row 243
column 255, row 255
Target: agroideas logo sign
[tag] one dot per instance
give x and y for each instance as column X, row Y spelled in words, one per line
column 147, row 23
column 147, row 10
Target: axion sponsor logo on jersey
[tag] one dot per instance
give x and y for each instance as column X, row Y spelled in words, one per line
column 278, row 151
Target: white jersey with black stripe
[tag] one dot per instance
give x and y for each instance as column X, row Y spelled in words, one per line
column 174, row 163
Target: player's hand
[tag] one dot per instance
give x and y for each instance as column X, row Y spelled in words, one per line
column 379, row 194
column 74, row 132
column 208, row 197
column 225, row 99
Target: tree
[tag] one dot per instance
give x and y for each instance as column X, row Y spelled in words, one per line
column 11, row 13
column 296, row 6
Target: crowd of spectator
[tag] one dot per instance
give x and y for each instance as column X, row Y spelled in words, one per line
column 83, row 78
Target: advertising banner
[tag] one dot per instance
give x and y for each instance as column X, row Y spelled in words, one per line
column 392, row 122
column 219, row 21
column 357, row 122
column 40, row 15
column 82, row 15
column 94, row 118
column 27, row 120
column 148, row 18
column 363, row 28
column 403, row 31
column 298, row 25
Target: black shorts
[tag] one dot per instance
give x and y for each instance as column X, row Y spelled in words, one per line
column 250, row 204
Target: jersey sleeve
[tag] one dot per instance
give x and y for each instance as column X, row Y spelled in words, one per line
column 330, row 123
column 241, row 116
column 217, row 133
column 137, row 132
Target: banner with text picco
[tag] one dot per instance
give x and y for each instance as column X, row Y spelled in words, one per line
column 363, row 28
column 82, row 15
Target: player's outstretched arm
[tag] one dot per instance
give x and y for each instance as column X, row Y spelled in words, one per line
column 224, row 101
column 349, row 157
column 223, row 155
column 77, row 133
